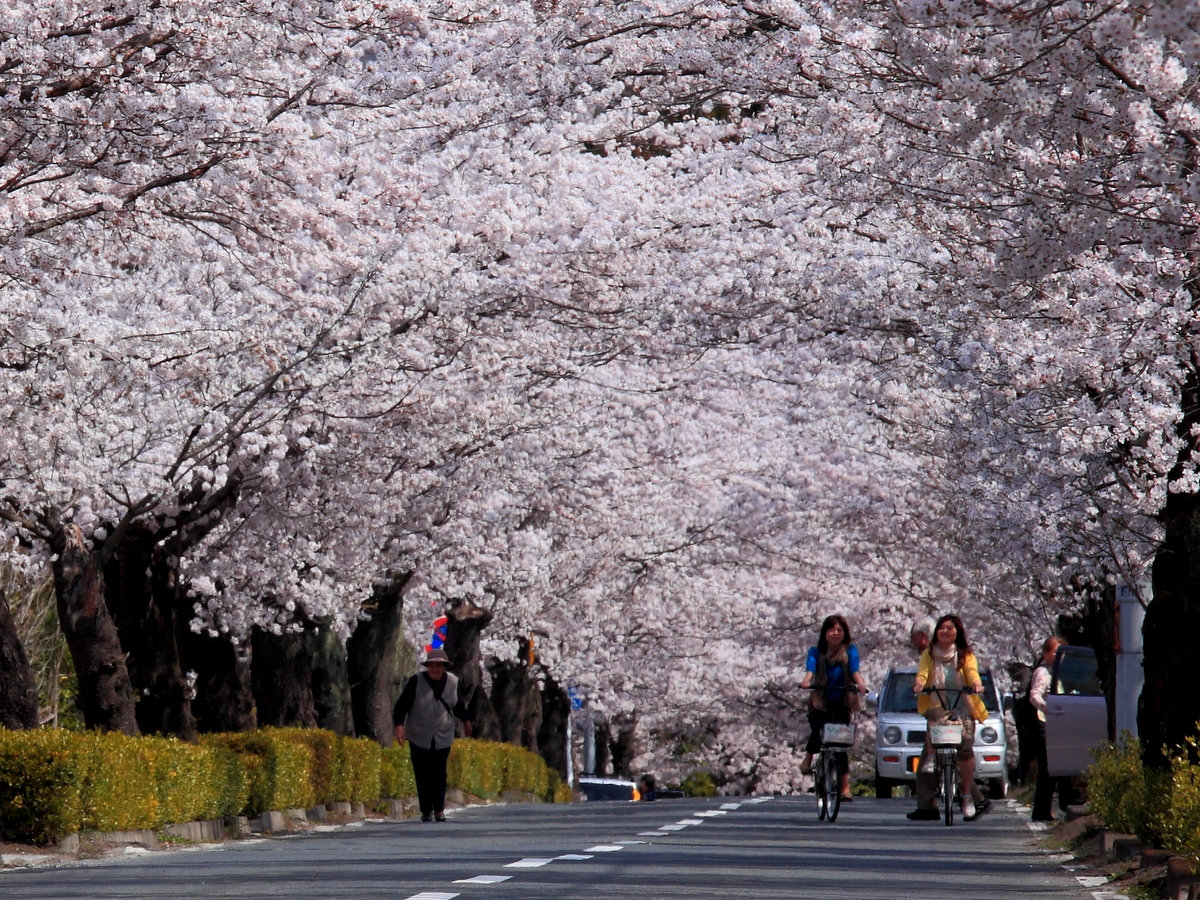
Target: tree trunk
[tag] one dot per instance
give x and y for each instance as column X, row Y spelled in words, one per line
column 142, row 590
column 18, row 685
column 552, row 732
column 466, row 623
column 603, row 748
column 281, row 677
column 372, row 659
column 624, row 749
column 516, row 699
column 105, row 692
column 223, row 699
column 330, row 679
column 1169, row 711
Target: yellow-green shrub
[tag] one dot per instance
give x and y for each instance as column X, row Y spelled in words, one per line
column 1178, row 824
column 118, row 788
column 277, row 766
column 395, row 773
column 358, row 770
column 39, row 785
column 1126, row 797
column 55, row 782
column 322, row 747
column 477, row 768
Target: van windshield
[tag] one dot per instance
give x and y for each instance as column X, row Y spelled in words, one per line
column 899, row 697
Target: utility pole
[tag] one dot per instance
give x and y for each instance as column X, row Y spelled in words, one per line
column 1131, row 676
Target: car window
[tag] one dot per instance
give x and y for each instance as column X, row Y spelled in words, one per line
column 899, row 696
column 1076, row 672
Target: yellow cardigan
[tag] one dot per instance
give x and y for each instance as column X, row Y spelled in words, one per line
column 968, row 674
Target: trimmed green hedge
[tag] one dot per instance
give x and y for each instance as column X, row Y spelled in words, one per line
column 54, row 783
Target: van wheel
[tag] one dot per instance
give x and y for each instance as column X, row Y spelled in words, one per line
column 883, row 787
column 997, row 788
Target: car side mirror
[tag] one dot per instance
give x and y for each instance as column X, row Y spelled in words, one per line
column 872, row 700
column 1008, row 701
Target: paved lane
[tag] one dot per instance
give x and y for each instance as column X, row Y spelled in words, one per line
column 757, row 849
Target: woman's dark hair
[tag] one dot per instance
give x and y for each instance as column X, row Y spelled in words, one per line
column 830, row 621
column 960, row 640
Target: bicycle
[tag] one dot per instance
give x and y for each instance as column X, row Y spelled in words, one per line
column 945, row 738
column 831, row 763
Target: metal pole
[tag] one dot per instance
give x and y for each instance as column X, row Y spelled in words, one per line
column 1131, row 676
column 589, row 744
column 570, row 753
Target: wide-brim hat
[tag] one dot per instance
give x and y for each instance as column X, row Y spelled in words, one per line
column 437, row 656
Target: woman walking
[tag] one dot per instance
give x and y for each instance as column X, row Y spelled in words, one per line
column 424, row 716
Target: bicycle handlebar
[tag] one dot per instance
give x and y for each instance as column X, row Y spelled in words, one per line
column 931, row 689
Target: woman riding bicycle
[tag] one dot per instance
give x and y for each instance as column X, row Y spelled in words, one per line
column 948, row 685
column 831, row 670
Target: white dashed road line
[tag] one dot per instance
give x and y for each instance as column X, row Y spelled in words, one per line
column 536, row 862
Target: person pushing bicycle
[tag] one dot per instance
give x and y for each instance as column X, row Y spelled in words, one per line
column 948, row 687
column 831, row 671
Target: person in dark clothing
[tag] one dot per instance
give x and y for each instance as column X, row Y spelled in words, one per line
column 424, row 716
column 1047, row 785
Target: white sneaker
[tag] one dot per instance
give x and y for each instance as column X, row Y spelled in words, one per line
column 968, row 807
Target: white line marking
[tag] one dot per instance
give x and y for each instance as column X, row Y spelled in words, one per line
column 432, row 895
column 672, row 827
column 653, row 833
column 731, row 806
column 691, row 821
column 709, row 813
column 483, row 879
column 529, row 862
column 604, row 848
column 631, row 842
column 1091, row 880
column 572, row 857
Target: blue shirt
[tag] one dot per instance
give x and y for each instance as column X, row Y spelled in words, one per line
column 836, row 675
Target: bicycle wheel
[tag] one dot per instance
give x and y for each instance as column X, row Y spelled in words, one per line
column 833, row 786
column 820, row 778
column 949, row 782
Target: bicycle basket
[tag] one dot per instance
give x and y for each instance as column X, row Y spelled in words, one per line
column 837, row 735
column 946, row 734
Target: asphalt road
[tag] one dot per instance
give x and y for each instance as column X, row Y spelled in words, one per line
column 757, row 849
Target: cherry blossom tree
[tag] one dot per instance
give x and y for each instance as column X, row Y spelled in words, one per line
column 657, row 331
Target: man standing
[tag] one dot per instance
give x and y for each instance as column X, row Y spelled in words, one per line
column 424, row 716
column 921, row 634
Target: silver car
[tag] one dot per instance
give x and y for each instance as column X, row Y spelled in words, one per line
column 1076, row 712
column 900, row 735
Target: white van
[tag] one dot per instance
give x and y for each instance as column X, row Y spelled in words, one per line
column 1076, row 712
